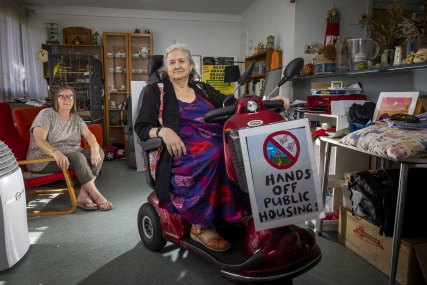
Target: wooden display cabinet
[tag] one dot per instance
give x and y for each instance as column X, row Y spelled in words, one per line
column 126, row 59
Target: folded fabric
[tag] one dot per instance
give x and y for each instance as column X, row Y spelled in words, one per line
column 389, row 142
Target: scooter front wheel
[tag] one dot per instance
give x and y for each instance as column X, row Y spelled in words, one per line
column 150, row 229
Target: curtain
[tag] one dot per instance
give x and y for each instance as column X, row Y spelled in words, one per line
column 19, row 77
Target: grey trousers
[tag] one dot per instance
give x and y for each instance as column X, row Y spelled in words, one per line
column 80, row 163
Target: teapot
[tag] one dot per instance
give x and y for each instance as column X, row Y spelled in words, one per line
column 144, row 51
column 362, row 50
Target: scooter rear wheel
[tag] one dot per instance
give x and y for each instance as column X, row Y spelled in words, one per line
column 150, row 229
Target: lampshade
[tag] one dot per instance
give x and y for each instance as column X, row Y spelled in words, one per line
column 231, row 73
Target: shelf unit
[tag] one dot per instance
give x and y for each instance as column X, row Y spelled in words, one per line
column 84, row 74
column 370, row 71
column 126, row 59
column 264, row 61
column 342, row 160
column 68, row 49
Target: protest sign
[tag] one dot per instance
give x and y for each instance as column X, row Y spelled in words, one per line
column 281, row 173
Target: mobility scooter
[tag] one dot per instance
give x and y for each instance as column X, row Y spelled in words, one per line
column 267, row 256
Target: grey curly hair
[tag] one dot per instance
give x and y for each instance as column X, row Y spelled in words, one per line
column 194, row 75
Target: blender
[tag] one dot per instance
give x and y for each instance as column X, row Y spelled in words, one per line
column 361, row 50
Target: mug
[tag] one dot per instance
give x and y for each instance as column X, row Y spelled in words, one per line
column 135, row 55
column 119, row 69
column 109, row 54
column 111, row 69
column 111, row 88
column 122, row 87
column 113, row 104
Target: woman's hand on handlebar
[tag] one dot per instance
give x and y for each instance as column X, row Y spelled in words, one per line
column 286, row 102
column 173, row 142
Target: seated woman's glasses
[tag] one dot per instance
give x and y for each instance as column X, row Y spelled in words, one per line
column 66, row 97
column 405, row 117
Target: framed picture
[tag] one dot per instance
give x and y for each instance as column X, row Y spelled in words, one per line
column 390, row 103
column 198, row 62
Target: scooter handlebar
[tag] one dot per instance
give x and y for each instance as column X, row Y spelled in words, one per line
column 222, row 114
column 276, row 105
column 219, row 115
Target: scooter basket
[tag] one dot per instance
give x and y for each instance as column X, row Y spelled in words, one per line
column 233, row 141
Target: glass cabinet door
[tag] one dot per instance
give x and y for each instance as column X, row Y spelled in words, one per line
column 116, row 83
column 140, row 50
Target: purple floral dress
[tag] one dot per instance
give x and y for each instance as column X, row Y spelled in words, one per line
column 200, row 189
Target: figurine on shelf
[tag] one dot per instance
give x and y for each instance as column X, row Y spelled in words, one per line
column 137, row 31
column 420, row 56
column 270, row 42
column 95, row 38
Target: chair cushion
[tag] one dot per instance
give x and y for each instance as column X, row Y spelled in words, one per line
column 389, row 142
column 46, row 179
column 24, row 117
column 9, row 135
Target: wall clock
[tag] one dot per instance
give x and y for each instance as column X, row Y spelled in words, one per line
column 42, row 55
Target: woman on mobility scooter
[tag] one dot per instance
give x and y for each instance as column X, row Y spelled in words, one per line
column 191, row 177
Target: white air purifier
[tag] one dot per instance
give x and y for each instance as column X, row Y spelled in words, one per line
column 14, row 239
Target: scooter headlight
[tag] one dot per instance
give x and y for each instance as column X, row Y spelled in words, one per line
column 252, row 106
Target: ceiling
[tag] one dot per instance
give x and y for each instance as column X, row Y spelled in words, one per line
column 235, row 7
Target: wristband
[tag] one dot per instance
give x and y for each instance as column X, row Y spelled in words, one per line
column 158, row 131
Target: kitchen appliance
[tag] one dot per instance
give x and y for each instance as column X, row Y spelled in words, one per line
column 361, row 50
column 14, row 239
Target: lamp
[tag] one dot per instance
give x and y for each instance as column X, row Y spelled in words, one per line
column 231, row 73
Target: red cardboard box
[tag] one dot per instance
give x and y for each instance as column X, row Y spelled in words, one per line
column 361, row 236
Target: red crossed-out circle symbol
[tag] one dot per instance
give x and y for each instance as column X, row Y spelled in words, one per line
column 281, row 149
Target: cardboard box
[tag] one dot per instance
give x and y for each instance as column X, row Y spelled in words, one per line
column 361, row 236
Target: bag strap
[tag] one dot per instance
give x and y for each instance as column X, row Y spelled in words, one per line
column 199, row 85
column 162, row 94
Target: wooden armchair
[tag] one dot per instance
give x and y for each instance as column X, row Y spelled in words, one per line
column 19, row 146
column 24, row 118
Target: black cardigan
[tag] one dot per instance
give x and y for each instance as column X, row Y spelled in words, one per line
column 148, row 119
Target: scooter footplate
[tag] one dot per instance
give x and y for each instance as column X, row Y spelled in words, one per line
column 233, row 256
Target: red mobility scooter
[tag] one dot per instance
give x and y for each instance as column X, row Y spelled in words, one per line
column 267, row 256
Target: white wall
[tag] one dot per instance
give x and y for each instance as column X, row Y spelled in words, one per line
column 310, row 21
column 205, row 34
column 269, row 17
column 298, row 24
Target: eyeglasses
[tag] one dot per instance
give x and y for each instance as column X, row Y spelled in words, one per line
column 66, row 97
column 405, row 117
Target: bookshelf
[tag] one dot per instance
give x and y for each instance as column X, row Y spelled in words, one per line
column 264, row 61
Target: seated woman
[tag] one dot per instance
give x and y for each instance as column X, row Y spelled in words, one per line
column 191, row 177
column 58, row 132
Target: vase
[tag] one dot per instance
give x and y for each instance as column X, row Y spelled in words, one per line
column 398, row 56
column 387, row 57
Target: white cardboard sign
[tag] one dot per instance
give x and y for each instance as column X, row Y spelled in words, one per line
column 281, row 172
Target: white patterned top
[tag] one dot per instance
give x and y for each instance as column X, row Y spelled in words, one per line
column 63, row 135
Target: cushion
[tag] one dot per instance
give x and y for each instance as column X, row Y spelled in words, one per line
column 389, row 142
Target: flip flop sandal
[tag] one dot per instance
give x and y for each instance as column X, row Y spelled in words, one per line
column 105, row 209
column 84, row 206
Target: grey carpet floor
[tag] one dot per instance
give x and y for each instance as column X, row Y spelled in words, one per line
column 105, row 248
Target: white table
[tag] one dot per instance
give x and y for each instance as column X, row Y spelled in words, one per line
column 325, row 153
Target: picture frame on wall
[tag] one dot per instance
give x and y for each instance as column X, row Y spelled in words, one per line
column 198, row 61
column 390, row 103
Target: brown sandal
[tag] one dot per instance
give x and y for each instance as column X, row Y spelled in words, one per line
column 217, row 243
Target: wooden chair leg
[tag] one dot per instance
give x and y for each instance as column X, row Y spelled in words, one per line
column 70, row 189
